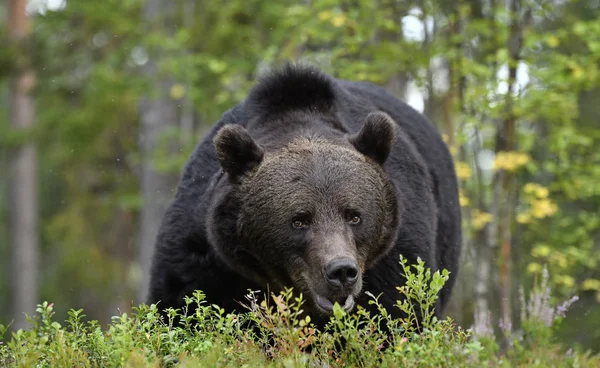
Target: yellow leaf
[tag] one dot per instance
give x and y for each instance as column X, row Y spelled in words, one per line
column 559, row 259
column 338, row 20
column 541, row 192
column 453, row 150
column 177, row 91
column 480, row 219
column 562, row 262
column 217, row 66
column 534, row 267
column 529, row 188
column 524, row 218
column 324, row 15
column 553, row 41
column 510, row 160
column 566, row 280
column 521, row 159
column 591, row 284
column 541, row 251
column 464, row 201
column 500, row 161
column 463, row 171
column 541, row 208
column 578, row 72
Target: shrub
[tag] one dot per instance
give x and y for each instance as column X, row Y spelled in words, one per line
column 206, row 336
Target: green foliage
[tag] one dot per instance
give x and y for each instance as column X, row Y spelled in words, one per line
column 421, row 290
column 206, row 336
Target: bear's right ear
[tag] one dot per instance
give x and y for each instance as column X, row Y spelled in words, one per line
column 236, row 150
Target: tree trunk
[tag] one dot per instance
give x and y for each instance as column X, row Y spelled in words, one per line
column 505, row 180
column 482, row 285
column 453, row 106
column 187, row 109
column 23, row 184
column 156, row 114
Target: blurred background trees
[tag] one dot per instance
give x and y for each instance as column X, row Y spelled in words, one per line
column 123, row 90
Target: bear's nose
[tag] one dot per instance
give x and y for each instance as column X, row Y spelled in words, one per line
column 341, row 272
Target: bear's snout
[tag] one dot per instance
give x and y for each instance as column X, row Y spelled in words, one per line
column 342, row 273
column 340, row 282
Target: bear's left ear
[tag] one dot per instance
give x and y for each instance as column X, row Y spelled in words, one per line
column 376, row 137
column 236, row 150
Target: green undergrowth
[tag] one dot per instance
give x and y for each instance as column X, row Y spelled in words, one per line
column 283, row 337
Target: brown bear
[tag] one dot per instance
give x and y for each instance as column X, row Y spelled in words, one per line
column 312, row 183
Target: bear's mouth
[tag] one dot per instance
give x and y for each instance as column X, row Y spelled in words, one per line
column 326, row 306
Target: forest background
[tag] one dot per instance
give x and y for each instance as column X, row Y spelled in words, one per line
column 101, row 103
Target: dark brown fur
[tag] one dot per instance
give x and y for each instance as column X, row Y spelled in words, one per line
column 305, row 149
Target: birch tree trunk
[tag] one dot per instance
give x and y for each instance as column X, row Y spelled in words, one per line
column 23, row 183
column 505, row 180
column 157, row 112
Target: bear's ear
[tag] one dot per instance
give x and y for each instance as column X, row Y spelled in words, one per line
column 236, row 150
column 376, row 136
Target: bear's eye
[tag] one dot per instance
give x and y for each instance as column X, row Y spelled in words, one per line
column 353, row 217
column 300, row 222
column 355, row 220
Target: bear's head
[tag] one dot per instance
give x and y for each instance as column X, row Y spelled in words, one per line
column 313, row 215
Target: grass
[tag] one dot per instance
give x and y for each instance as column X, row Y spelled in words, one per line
column 208, row 337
